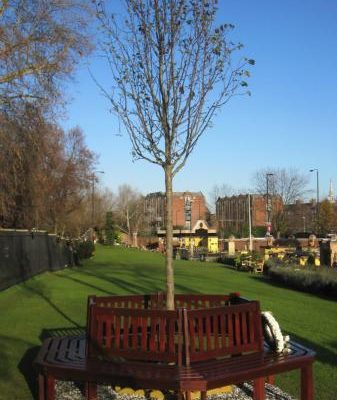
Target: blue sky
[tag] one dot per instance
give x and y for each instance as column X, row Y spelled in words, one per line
column 289, row 121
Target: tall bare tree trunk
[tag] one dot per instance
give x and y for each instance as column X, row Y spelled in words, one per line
column 169, row 240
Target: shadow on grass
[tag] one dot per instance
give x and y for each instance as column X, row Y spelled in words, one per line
column 7, row 372
column 84, row 283
column 37, row 288
column 145, row 283
column 149, row 285
column 25, row 368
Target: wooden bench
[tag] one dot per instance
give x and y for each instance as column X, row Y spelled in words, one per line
column 133, row 342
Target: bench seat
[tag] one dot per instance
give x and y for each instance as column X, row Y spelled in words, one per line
column 64, row 358
column 241, row 368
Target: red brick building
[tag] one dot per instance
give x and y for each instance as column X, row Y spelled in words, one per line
column 188, row 208
column 232, row 212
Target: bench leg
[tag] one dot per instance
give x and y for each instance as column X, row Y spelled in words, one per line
column 307, row 391
column 50, row 388
column 259, row 390
column 46, row 387
column 42, row 387
column 270, row 379
column 91, row 391
column 203, row 395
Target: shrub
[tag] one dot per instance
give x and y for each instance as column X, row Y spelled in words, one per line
column 230, row 260
column 319, row 280
column 85, row 249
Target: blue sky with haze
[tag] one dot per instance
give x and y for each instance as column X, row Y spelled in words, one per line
column 289, row 121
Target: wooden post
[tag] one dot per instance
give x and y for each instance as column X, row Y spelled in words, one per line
column 307, row 392
column 91, row 391
column 42, row 387
column 188, row 395
column 50, row 387
column 259, row 389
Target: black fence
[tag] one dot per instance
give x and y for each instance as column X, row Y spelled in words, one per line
column 24, row 254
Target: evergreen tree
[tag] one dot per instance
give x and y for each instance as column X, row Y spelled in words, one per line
column 109, row 229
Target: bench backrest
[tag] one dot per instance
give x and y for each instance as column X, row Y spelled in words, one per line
column 149, row 335
column 223, row 331
column 146, row 332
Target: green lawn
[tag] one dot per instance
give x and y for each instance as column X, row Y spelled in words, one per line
column 58, row 300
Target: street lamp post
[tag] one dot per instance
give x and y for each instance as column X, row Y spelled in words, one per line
column 93, row 196
column 250, row 225
column 317, row 198
column 188, row 218
column 268, row 205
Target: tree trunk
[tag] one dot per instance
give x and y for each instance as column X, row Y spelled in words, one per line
column 169, row 240
column 128, row 225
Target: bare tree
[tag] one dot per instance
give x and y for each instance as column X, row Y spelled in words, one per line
column 79, row 220
column 171, row 71
column 44, row 172
column 40, row 43
column 129, row 209
column 289, row 184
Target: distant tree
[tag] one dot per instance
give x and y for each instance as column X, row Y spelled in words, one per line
column 104, row 201
column 71, row 177
column 327, row 217
column 109, row 229
column 289, row 184
column 172, row 70
column 44, row 172
column 40, row 43
column 129, row 209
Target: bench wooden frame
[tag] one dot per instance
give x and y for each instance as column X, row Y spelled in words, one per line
column 131, row 341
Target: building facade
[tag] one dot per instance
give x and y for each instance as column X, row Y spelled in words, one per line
column 188, row 208
column 199, row 237
column 232, row 212
column 301, row 217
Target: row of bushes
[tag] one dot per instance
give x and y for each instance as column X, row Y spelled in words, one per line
column 318, row 280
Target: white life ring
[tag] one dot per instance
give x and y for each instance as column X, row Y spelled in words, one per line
column 272, row 333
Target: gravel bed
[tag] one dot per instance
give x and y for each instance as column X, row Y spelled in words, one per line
column 72, row 391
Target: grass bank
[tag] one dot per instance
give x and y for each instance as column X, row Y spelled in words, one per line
column 54, row 301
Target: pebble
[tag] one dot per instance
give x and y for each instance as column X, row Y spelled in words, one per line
column 72, row 391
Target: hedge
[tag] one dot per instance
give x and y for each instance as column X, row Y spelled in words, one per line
column 319, row 280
